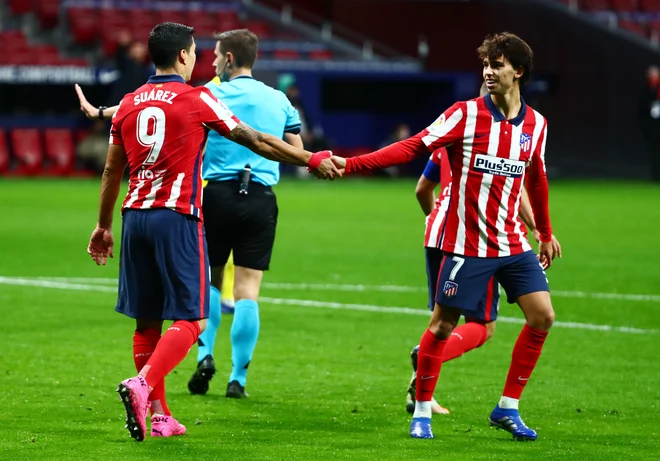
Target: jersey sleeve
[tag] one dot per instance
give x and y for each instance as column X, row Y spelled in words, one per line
column 394, row 154
column 115, row 133
column 447, row 129
column 292, row 118
column 537, row 187
column 215, row 114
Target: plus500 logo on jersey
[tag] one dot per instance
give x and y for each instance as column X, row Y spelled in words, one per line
column 499, row 166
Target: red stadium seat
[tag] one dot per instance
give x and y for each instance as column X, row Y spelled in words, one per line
column 204, row 69
column 45, row 55
column 60, row 151
column 649, row 6
column 28, row 151
column 20, row 6
column 15, row 41
column 260, row 28
column 624, row 5
column 227, row 20
column 321, row 55
column 286, row 54
column 48, row 12
column 167, row 15
column 597, row 5
column 83, row 24
column 5, row 159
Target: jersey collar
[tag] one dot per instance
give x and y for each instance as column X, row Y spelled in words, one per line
column 499, row 117
column 166, row 78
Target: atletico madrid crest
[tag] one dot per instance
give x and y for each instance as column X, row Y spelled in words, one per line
column 525, row 142
column 450, row 289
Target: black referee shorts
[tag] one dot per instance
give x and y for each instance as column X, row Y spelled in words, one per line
column 242, row 223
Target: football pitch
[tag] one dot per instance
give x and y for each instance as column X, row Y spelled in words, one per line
column 341, row 308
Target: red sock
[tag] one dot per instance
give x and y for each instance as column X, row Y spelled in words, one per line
column 144, row 344
column 171, row 350
column 464, row 338
column 526, row 353
column 429, row 362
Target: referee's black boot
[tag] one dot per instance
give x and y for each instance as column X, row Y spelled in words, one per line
column 199, row 383
column 236, row 391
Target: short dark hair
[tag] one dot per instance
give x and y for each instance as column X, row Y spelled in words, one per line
column 512, row 47
column 166, row 41
column 242, row 43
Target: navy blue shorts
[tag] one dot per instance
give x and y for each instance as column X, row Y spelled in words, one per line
column 464, row 280
column 163, row 266
column 488, row 304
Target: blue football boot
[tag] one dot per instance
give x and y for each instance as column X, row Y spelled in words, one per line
column 420, row 428
column 510, row 421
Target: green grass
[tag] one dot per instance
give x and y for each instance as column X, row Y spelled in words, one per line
column 330, row 383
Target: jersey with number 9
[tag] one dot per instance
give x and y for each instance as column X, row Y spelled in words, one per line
column 163, row 126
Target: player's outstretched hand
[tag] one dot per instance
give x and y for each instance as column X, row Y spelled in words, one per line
column 101, row 245
column 340, row 163
column 90, row 111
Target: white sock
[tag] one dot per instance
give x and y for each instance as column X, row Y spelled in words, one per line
column 509, row 403
column 422, row 409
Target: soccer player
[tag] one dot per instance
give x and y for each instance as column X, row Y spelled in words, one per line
column 159, row 131
column 474, row 332
column 494, row 145
column 240, row 214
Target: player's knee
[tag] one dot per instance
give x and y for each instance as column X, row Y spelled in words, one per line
column 548, row 319
column 441, row 329
column 543, row 319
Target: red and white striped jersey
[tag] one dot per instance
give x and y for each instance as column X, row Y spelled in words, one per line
column 489, row 156
column 163, row 126
column 436, row 219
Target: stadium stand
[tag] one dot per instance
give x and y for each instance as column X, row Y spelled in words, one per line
column 641, row 17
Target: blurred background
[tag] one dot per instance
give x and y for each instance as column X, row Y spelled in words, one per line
column 358, row 84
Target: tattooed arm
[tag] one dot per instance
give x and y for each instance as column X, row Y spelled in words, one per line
column 268, row 146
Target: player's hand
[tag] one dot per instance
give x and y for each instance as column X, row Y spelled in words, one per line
column 340, row 163
column 556, row 246
column 90, row 111
column 101, row 245
column 546, row 254
column 326, row 168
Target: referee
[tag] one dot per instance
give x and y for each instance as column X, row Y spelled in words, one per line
column 240, row 207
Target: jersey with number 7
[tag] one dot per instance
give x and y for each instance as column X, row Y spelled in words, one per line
column 163, row 126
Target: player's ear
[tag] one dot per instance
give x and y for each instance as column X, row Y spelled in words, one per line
column 519, row 72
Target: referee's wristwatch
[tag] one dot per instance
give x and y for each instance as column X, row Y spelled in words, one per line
column 101, row 109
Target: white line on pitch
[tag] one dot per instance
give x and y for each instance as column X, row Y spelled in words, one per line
column 319, row 304
column 382, row 288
